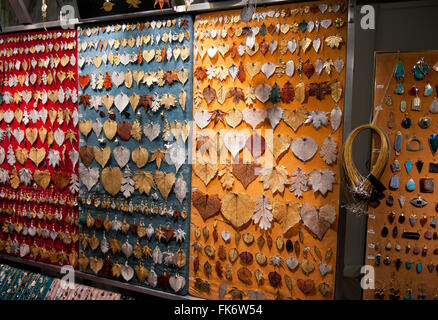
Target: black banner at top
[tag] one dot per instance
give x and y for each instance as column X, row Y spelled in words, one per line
column 97, row 8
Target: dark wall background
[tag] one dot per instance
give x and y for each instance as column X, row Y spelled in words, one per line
column 400, row 26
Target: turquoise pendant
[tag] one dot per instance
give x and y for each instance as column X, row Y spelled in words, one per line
column 403, row 106
column 408, row 265
column 428, row 90
column 410, row 185
column 408, row 166
column 419, row 267
column 433, row 142
column 421, row 69
column 400, row 89
column 399, row 72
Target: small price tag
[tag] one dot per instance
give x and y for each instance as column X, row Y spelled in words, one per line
column 380, row 86
column 371, row 231
column 371, row 245
column 372, row 216
column 370, row 257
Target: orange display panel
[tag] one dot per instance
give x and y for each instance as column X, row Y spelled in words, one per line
column 407, row 266
column 229, row 61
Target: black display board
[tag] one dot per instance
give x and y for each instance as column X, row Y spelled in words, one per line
column 95, row 8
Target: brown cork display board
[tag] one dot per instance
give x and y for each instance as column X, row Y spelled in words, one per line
column 417, row 273
column 211, row 285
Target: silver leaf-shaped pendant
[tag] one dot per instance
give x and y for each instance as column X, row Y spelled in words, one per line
column 326, row 23
column 59, row 137
column 151, row 130
column 273, row 46
column 127, row 248
column 180, row 188
column 241, row 49
column 121, row 155
column 157, row 255
column 290, row 68
column 2, row 155
column 150, row 231
column 335, row 118
column 177, row 282
column 43, row 115
column 34, row 116
column 316, row 44
column 317, row 118
column 53, row 158
column 74, row 184
column 95, row 102
column 319, row 66
column 275, row 114
column 310, row 26
column 262, row 92
column 233, row 70
column 323, row 7
column 104, row 245
column 168, row 258
column 339, row 64
column 329, row 150
column 74, row 157
column 304, row 148
column 152, row 278
column 268, row 69
column 202, row 118
column 97, row 127
column 88, row 176
column 292, row 45
column 127, row 187
column 234, row 142
column 177, row 156
column 322, row 180
column 127, row 272
column 25, row 176
column 254, row 116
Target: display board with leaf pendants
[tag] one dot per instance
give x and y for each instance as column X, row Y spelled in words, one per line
column 268, row 105
column 135, row 104
column 39, row 146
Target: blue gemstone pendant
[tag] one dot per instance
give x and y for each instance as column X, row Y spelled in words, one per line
column 433, row 142
column 399, row 71
column 408, row 166
column 400, row 89
column 410, row 185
